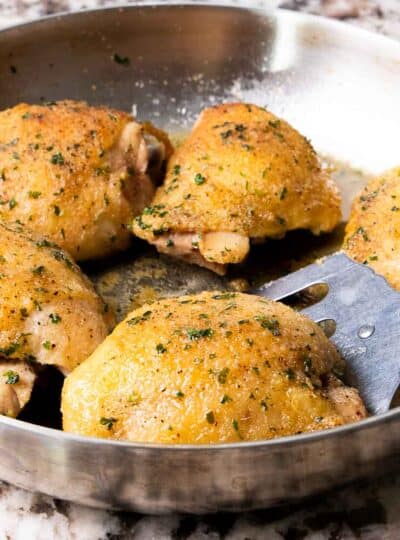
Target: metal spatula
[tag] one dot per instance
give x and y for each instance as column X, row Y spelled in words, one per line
column 366, row 311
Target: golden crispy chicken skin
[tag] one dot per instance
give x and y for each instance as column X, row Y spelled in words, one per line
column 213, row 367
column 49, row 311
column 373, row 230
column 242, row 174
column 76, row 174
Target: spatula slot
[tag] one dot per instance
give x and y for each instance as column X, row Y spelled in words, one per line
column 307, row 297
column 328, row 326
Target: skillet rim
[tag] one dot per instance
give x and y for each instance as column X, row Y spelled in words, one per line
column 239, row 5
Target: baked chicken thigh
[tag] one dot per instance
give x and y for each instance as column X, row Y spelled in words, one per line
column 242, row 175
column 77, row 174
column 373, row 230
column 49, row 313
column 208, row 368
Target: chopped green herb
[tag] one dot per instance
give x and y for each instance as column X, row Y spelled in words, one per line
column 270, row 324
column 57, row 159
column 199, row 179
column 160, row 348
column 61, row 256
column 235, row 425
column 198, row 333
column 158, row 232
column 179, row 394
column 139, row 319
column 55, row 319
column 108, row 422
column 12, row 377
column 38, row 270
column 122, row 60
column 224, row 296
column 45, row 243
column 47, row 345
column 225, row 399
column 274, row 123
column 12, row 203
column 11, row 349
column 156, row 210
column 361, row 231
column 223, row 375
column 226, row 134
column 141, row 223
column 34, row 194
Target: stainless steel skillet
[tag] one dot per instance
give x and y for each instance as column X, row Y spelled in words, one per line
column 340, row 87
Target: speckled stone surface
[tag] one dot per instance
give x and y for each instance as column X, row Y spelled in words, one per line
column 369, row 511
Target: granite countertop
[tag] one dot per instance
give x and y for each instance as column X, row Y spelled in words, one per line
column 369, row 511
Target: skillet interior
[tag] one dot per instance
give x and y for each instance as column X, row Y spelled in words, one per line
column 337, row 86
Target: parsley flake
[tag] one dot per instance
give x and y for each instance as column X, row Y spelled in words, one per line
column 122, row 60
column 55, row 318
column 57, row 159
column 199, row 179
column 12, row 377
column 160, row 348
column 198, row 333
column 107, row 422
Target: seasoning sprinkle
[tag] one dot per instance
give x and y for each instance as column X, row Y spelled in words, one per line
column 210, row 417
column 12, row 377
column 108, row 422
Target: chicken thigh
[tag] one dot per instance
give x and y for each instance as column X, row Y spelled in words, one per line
column 49, row 313
column 242, row 174
column 208, row 368
column 373, row 230
column 77, row 174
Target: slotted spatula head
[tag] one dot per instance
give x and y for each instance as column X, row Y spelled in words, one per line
column 366, row 311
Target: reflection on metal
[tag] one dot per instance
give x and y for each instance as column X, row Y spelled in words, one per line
column 363, row 305
column 337, row 85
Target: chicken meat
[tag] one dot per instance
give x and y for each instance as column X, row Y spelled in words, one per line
column 373, row 230
column 212, row 367
column 49, row 313
column 242, row 175
column 77, row 174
